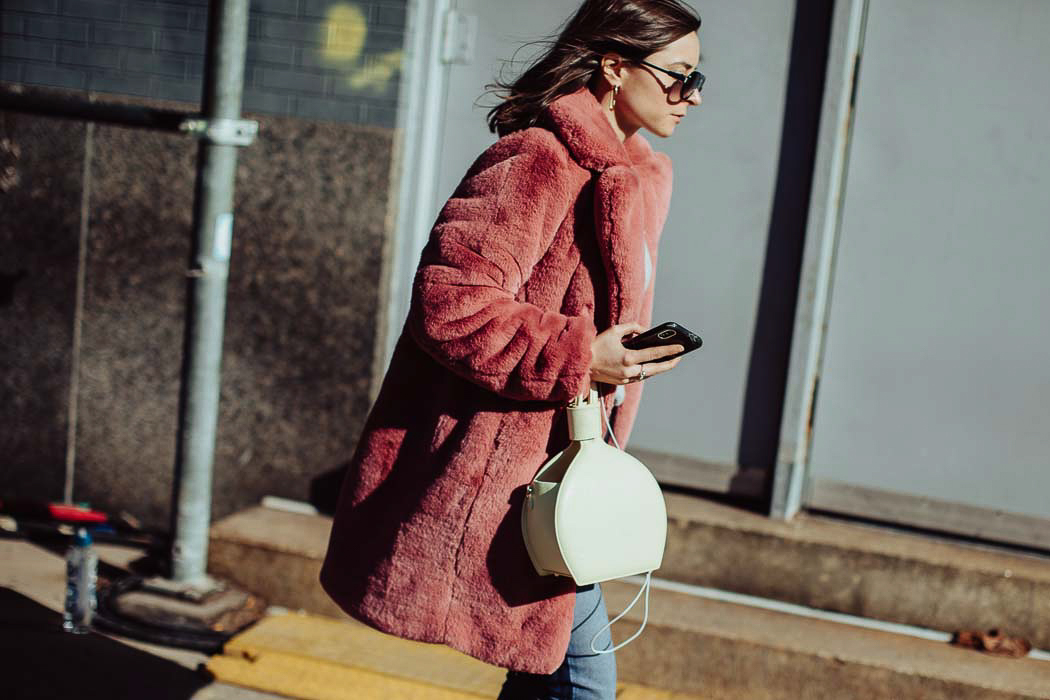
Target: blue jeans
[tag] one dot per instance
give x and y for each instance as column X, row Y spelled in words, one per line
column 582, row 675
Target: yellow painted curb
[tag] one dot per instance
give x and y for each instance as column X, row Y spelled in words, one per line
column 352, row 644
column 319, row 658
column 299, row 677
column 306, row 656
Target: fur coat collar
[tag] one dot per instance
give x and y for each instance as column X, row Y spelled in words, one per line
column 579, row 121
column 631, row 180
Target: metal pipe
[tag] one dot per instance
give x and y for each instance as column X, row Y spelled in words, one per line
column 72, row 411
column 818, row 260
column 16, row 99
column 209, row 267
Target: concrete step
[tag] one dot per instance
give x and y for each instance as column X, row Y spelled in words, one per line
column 857, row 569
column 726, row 651
column 246, row 548
column 812, row 561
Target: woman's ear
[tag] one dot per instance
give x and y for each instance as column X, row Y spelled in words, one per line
column 612, row 65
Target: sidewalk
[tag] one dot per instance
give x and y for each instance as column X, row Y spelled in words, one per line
column 43, row 662
column 294, row 654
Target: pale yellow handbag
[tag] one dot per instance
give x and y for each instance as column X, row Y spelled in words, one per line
column 593, row 512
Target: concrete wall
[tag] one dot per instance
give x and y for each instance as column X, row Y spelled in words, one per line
column 320, row 59
column 730, row 254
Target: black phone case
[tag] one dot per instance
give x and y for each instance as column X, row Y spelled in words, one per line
column 669, row 333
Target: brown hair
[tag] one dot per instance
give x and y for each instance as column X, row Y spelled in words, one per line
column 631, row 28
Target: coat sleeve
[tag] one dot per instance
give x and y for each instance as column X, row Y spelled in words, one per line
column 467, row 311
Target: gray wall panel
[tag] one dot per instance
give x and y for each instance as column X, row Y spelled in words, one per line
column 935, row 380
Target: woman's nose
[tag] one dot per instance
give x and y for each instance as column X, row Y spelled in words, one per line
column 695, row 99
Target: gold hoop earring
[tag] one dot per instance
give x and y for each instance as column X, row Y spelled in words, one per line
column 616, row 91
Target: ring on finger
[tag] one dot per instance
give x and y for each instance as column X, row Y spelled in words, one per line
column 641, row 373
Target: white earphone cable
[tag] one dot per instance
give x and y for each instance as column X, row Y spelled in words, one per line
column 605, row 415
column 644, row 589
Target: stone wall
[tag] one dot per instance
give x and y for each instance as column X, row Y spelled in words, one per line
column 40, row 186
column 310, row 211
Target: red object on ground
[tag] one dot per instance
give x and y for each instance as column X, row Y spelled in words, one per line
column 65, row 512
column 76, row 514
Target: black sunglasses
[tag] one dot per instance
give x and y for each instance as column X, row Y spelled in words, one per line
column 686, row 84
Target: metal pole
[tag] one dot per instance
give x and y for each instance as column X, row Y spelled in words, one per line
column 209, row 267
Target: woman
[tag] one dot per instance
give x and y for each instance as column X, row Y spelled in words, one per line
column 538, row 266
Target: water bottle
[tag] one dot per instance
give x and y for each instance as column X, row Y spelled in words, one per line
column 81, row 575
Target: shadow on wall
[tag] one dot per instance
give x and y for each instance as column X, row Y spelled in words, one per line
column 774, row 323
column 42, row 662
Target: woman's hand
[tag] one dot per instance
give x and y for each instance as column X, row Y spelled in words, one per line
column 612, row 363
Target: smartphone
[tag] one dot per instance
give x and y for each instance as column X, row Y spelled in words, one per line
column 669, row 333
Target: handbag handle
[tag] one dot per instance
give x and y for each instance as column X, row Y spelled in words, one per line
column 585, row 399
column 584, row 421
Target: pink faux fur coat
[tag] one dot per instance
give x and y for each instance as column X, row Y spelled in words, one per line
column 540, row 246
